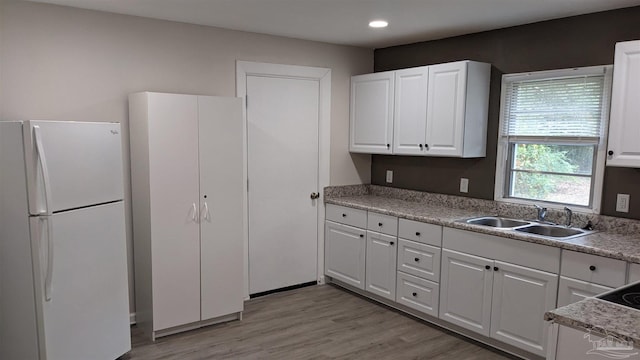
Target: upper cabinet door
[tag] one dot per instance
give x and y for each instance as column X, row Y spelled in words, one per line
column 410, row 114
column 371, row 119
column 624, row 127
column 446, row 109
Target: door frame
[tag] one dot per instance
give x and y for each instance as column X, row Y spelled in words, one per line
column 323, row 76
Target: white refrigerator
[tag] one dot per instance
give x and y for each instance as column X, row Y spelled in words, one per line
column 63, row 261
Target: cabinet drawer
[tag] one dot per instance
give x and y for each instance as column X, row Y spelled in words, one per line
column 385, row 224
column 418, row 294
column 419, row 259
column 346, row 215
column 593, row 268
column 572, row 290
column 421, row 232
column 634, row 273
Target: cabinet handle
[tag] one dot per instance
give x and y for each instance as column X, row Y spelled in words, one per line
column 415, row 294
column 487, row 267
column 380, row 224
column 361, row 235
column 420, row 146
column 416, row 259
column 344, row 215
column 426, row 146
column 391, row 243
column 388, row 146
column 610, row 152
column 495, row 268
column 417, row 233
column 592, row 268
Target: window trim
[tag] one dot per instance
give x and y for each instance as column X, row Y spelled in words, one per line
column 502, row 156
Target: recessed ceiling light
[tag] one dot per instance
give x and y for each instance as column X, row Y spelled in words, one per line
column 378, row 24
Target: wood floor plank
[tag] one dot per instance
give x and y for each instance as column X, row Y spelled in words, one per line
column 316, row 322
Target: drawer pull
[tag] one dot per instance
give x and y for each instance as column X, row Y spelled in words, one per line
column 592, row 268
column 415, row 294
column 416, row 259
column 495, row 268
column 391, row 243
column 380, row 224
column 417, row 233
column 344, row 215
column 361, row 235
column 487, row 267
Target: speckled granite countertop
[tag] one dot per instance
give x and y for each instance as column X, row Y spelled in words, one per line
column 615, row 238
column 604, row 243
column 600, row 316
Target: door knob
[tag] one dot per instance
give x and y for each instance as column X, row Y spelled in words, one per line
column 314, row 195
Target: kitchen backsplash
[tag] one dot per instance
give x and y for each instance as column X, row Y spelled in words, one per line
column 487, row 207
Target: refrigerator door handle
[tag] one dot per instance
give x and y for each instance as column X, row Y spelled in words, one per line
column 42, row 161
column 48, row 276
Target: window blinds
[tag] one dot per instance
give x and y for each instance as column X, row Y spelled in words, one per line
column 557, row 107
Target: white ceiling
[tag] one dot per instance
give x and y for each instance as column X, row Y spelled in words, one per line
column 346, row 21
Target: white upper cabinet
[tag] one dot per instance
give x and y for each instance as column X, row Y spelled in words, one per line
column 410, row 114
column 371, row 119
column 624, row 127
column 437, row 110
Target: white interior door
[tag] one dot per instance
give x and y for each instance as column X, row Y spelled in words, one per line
column 282, row 159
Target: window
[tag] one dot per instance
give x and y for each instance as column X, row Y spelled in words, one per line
column 551, row 139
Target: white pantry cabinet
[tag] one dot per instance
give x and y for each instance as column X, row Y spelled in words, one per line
column 436, row 110
column 498, row 287
column 186, row 174
column 371, row 117
column 624, row 127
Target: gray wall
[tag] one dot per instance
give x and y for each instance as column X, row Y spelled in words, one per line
column 570, row 42
column 69, row 64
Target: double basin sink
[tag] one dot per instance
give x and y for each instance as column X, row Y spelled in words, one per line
column 557, row 232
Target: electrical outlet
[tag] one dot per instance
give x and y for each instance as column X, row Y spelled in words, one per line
column 622, row 203
column 464, row 185
column 389, row 176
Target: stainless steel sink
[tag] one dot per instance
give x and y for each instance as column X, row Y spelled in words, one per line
column 497, row 222
column 556, row 232
column 553, row 231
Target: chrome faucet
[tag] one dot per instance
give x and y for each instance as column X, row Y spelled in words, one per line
column 542, row 213
column 568, row 214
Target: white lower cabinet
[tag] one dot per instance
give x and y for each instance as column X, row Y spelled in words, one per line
column 465, row 291
column 634, row 273
column 521, row 296
column 380, row 266
column 345, row 253
column 501, row 290
column 417, row 293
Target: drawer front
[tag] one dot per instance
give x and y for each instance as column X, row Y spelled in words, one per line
column 421, row 232
column 346, row 215
column 418, row 294
column 572, row 290
column 594, row 269
column 385, row 224
column 419, row 259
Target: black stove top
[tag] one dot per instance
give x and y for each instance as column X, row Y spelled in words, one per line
column 627, row 296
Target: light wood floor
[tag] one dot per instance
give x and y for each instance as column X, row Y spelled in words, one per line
column 316, row 322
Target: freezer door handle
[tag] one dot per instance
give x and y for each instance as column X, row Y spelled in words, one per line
column 48, row 268
column 42, row 161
